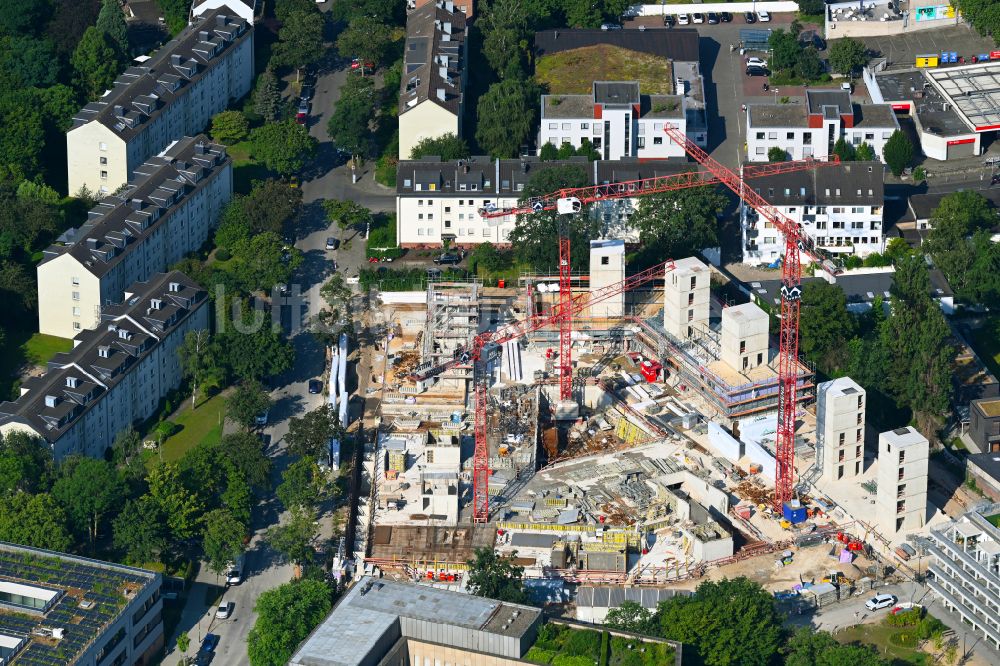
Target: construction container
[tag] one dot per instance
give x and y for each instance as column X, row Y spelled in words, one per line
column 397, row 460
column 793, row 512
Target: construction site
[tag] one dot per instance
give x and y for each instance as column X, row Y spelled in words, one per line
column 625, row 430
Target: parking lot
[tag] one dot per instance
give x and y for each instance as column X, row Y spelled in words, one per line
column 903, row 49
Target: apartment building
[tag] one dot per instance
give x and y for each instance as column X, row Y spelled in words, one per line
column 467, row 7
column 966, row 572
column 171, row 206
column 617, row 119
column 839, row 209
column 116, row 374
column 840, row 428
column 171, row 94
column 245, row 9
column 432, row 90
column 63, row 609
column 813, row 129
column 901, row 498
column 440, row 201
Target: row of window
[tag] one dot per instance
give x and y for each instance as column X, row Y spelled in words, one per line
column 844, row 241
column 460, row 231
column 807, row 136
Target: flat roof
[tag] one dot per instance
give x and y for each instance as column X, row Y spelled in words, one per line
column 904, row 437
column 675, row 44
column 988, row 406
column 929, row 104
column 974, row 91
column 988, row 462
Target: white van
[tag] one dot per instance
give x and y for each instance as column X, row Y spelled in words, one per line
column 234, row 572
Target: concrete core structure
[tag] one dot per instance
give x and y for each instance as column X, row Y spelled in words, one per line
column 901, row 499
column 685, row 298
column 744, row 336
column 840, row 428
column 607, row 267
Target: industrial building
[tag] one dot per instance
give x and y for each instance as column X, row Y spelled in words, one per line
column 840, row 428
column 901, row 499
column 62, row 609
column 383, row 622
column 812, row 129
column 966, row 572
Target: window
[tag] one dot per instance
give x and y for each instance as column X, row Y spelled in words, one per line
column 840, row 456
column 870, row 136
column 840, row 471
column 657, row 140
column 640, row 142
column 860, row 436
column 902, row 457
column 642, row 128
column 447, row 224
column 605, row 261
column 420, row 231
column 840, row 440
column 430, row 216
column 567, row 126
column 857, row 451
column 690, row 315
column 900, row 477
column 104, row 161
column 76, row 326
column 407, row 182
column 772, row 136
column 820, row 226
column 900, row 506
column 420, row 202
column 760, row 151
column 461, row 216
column 447, row 209
column 103, row 146
column 838, row 194
column 104, row 175
column 420, row 216
column 743, row 346
column 691, row 299
column 553, row 126
column 790, row 136
column 886, row 135
column 807, row 138
column 76, row 311
column 788, row 192
column 76, row 295
column 760, row 136
column 75, row 281
column 694, row 282
column 900, row 490
column 584, row 126
column 486, row 233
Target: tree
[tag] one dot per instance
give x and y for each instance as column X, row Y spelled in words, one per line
column 960, row 246
column 241, row 451
column 847, row 56
column 785, row 51
column 866, row 153
column 496, row 576
column 300, row 39
column 336, row 316
column 27, row 61
column 447, row 146
column 535, row 236
column 25, row 464
column 34, row 520
column 504, row 51
column 294, row 538
column 111, row 21
column 264, row 261
column 302, row 485
column 237, row 498
column 197, row 358
column 982, row 14
column 247, row 401
column 20, row 17
column 229, row 127
column 310, row 434
column 706, row 621
column 23, row 136
column 285, row 616
column 808, row 64
column 776, row 154
column 126, row 453
column 825, row 325
column 808, row 647
column 183, row 641
column 139, row 531
column 679, row 223
column 33, row 191
column 283, row 146
column 95, row 62
column 488, row 257
column 88, row 489
column 957, row 216
column 222, row 539
column 347, row 213
column 506, row 117
column 182, row 509
column 366, row 38
column 268, row 206
column 548, row 152
column 266, row 97
column 262, row 353
column 898, row 153
column 348, row 126
column 844, row 150
column 631, row 616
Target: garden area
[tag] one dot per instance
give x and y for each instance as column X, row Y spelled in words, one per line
column 561, row 645
column 187, row 428
column 901, row 637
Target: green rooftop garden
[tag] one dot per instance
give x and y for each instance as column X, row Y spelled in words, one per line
column 561, row 645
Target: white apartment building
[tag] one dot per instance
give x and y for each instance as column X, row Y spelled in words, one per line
column 115, row 375
column 839, row 208
column 171, row 94
column 617, row 119
column 245, row 9
column 440, row 201
column 966, row 568
column 840, row 428
column 901, row 498
column 813, row 129
column 432, row 90
column 169, row 210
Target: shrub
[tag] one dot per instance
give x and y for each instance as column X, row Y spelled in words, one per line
column 167, row 428
column 583, row 642
column 853, row 261
column 572, row 660
column 930, row 626
column 223, row 254
column 904, row 639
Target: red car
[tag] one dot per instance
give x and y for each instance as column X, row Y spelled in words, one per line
column 356, row 64
column 301, row 118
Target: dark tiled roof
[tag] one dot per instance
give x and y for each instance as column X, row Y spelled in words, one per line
column 816, row 100
column 874, row 115
column 616, row 92
column 142, row 91
column 677, row 44
column 117, row 226
column 821, row 186
column 102, row 357
column 433, row 60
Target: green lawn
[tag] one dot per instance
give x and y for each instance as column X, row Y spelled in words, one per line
column 877, row 635
column 640, row 654
column 245, row 169
column 40, row 348
column 574, row 71
column 20, row 348
column 995, row 519
column 197, row 425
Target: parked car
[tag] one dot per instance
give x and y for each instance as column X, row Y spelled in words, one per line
column 725, row 17
column 749, row 17
column 669, row 20
column 356, row 64
column 307, row 92
column 301, row 117
column 331, row 243
column 880, row 601
column 698, row 18
column 756, row 62
column 210, row 643
column 683, row 19
column 224, row 610
column 448, row 259
column 713, row 18
column 234, row 572
column 261, row 419
column 763, row 16
column 610, row 26
column 315, row 386
column 757, row 71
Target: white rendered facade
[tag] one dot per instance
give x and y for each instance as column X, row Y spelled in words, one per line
column 744, row 337
column 840, row 428
column 686, row 298
column 901, row 498
column 607, row 267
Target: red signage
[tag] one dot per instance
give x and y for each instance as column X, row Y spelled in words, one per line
column 959, row 142
column 994, row 55
column 986, row 128
column 901, row 107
